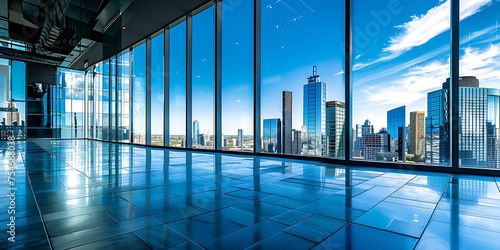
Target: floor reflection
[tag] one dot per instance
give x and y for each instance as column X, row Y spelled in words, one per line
column 94, row 194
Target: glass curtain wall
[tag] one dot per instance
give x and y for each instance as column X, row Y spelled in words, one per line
column 123, row 82
column 157, row 93
column 138, row 79
column 177, row 86
column 203, row 79
column 237, row 75
column 89, row 80
column 303, row 114
column 400, row 74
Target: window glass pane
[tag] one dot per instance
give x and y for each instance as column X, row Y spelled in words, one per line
column 479, row 86
column 237, row 75
column 98, row 106
column 124, row 96
column 177, row 85
column 301, row 41
column 400, row 68
column 4, row 88
column 105, row 101
column 90, row 103
column 18, row 81
column 139, row 94
column 157, row 111
column 203, row 79
column 112, row 99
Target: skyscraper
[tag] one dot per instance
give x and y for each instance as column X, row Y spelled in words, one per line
column 296, row 142
column 335, row 128
column 417, row 132
column 375, row 143
column 315, row 115
column 479, row 133
column 396, row 119
column 271, row 135
column 196, row 132
column 357, row 141
column 287, row 122
column 240, row 138
column 367, row 128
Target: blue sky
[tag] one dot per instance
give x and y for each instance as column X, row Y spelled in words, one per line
column 401, row 52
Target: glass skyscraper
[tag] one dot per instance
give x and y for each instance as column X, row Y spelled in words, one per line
column 395, row 119
column 335, row 128
column 271, row 135
column 196, row 132
column 315, row 115
column 478, row 125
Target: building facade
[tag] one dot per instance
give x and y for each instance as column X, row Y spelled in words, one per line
column 314, row 118
column 271, row 135
column 296, row 142
column 396, row 119
column 479, row 116
column 417, row 132
column 335, row 129
column 240, row 138
column 196, row 132
column 287, row 122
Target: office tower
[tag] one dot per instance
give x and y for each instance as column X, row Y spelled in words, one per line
column 315, row 115
column 367, row 128
column 240, row 138
column 401, row 150
column 13, row 115
column 335, row 129
column 357, row 141
column 395, row 119
column 287, row 122
column 272, row 135
column 417, row 132
column 375, row 143
column 296, row 142
column 479, row 138
column 196, row 132
column 224, row 142
column 201, row 139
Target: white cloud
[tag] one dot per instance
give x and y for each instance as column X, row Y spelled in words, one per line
column 420, row 80
column 340, row 73
column 423, row 28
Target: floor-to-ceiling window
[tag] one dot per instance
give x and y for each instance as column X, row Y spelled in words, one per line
column 177, row 85
column 237, row 75
column 105, row 101
column 113, row 90
column 400, row 68
column 98, row 101
column 123, row 82
column 479, row 84
column 12, row 99
column 89, row 84
column 302, row 69
column 203, row 79
column 69, row 104
column 157, row 93
column 138, row 79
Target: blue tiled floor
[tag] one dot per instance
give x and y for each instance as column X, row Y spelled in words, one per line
column 95, row 195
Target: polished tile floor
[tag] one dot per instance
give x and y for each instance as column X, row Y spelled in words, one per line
column 94, row 195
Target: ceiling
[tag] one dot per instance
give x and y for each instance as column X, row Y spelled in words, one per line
column 68, row 33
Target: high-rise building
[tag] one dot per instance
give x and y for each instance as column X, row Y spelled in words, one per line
column 396, row 119
column 287, row 122
column 315, row 115
column 357, row 141
column 196, row 132
column 367, row 128
column 402, row 139
column 201, row 139
column 240, row 138
column 335, row 129
column 417, row 132
column 375, row 143
column 271, row 135
column 296, row 142
column 479, row 133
